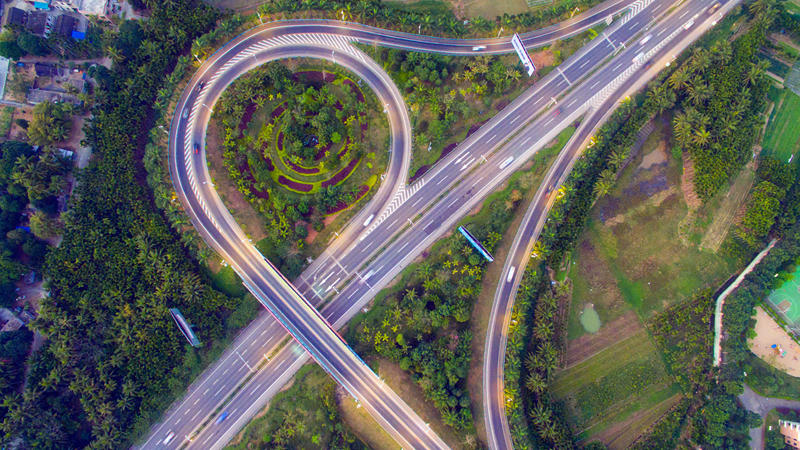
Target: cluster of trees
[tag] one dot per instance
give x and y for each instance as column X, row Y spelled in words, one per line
column 245, row 157
column 16, row 42
column 114, row 357
column 29, row 180
column 314, row 113
column 304, row 416
column 51, row 123
column 546, row 422
column 775, row 199
column 435, row 20
column 442, row 92
column 14, row 349
column 721, row 93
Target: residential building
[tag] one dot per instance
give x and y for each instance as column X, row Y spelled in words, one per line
column 37, row 23
column 791, row 433
column 17, row 17
column 64, row 25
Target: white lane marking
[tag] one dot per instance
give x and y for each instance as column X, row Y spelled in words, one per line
column 440, row 180
column 417, row 201
column 514, row 119
column 393, row 222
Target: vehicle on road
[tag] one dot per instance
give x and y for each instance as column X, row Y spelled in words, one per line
column 713, row 8
column 186, row 112
column 200, row 86
column 478, row 47
column 369, row 219
column 221, row 417
column 505, row 163
column 510, row 274
column 169, row 438
column 688, row 24
column 646, row 39
column 549, row 190
column 196, row 148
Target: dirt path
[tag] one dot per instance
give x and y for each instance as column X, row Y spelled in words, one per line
column 588, row 345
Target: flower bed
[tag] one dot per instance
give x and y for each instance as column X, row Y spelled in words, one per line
column 295, row 185
column 342, row 174
column 356, row 90
column 301, row 169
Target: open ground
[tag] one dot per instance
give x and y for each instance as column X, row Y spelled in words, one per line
column 786, row 354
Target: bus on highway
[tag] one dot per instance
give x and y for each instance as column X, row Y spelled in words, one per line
column 507, row 161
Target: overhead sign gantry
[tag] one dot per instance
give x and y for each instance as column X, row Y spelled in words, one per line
column 524, row 57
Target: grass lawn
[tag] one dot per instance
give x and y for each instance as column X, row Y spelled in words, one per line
column 490, row 9
column 614, row 385
column 782, row 138
column 641, row 250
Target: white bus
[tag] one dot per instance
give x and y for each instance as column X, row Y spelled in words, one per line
column 369, row 219
column 507, row 161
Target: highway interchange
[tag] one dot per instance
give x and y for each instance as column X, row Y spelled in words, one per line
column 359, row 262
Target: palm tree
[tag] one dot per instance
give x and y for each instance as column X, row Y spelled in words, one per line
column 758, row 7
column 756, row 71
column 698, row 91
column 541, row 415
column 535, row 383
column 701, row 136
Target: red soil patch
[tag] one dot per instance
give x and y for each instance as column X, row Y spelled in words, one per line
column 341, row 175
column 297, row 186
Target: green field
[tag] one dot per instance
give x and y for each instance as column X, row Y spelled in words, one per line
column 641, row 250
column 613, row 385
column 782, row 138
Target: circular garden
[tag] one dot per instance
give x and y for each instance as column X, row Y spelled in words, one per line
column 302, row 146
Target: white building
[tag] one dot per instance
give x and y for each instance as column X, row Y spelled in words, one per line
column 85, row 7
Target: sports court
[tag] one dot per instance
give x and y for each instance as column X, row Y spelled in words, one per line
column 786, row 300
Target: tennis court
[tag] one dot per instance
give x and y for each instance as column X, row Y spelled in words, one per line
column 786, row 299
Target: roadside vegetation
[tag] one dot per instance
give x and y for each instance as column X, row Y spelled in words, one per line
column 427, row 17
column 306, row 415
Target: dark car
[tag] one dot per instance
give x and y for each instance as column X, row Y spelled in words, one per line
column 200, row 85
column 196, row 148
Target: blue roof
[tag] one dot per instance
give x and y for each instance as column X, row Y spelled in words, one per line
column 78, row 35
column 42, row 5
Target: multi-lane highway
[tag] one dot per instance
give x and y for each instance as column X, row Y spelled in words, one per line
column 474, row 165
column 497, row 429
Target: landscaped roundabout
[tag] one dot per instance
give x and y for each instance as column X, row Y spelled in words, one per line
column 302, row 141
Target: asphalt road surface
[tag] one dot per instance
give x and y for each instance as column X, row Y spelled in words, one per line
column 474, row 164
column 497, row 428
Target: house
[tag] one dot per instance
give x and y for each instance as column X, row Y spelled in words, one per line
column 85, row 7
column 791, row 433
column 37, row 23
column 36, row 96
column 64, row 25
column 45, row 70
column 17, row 17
